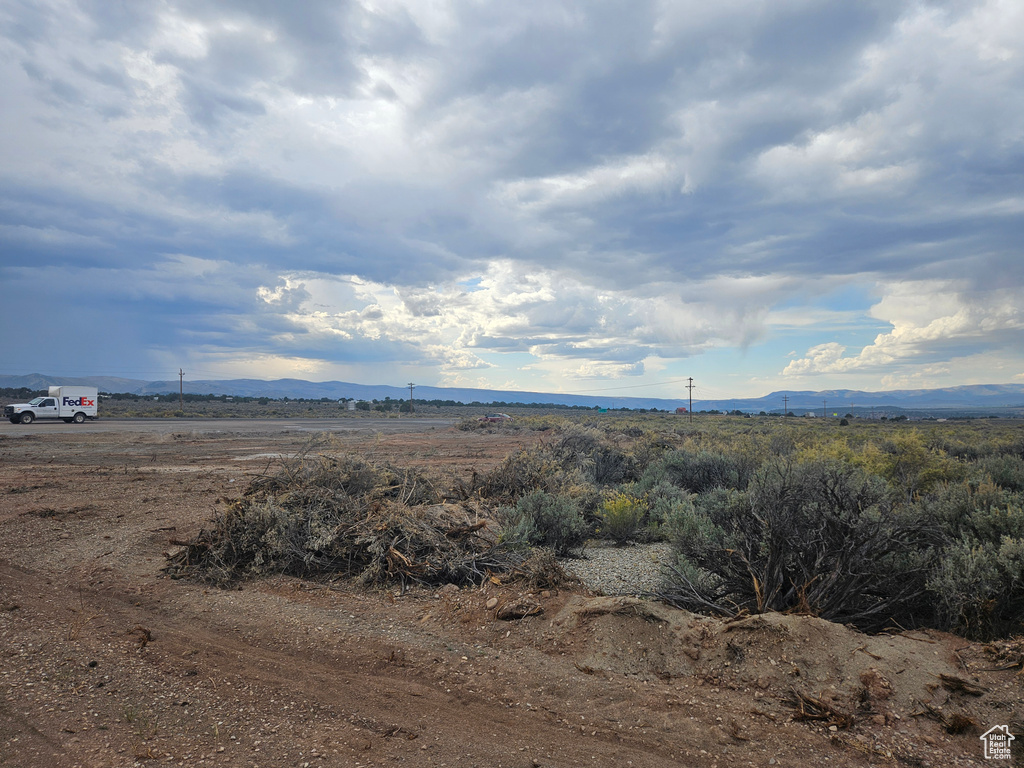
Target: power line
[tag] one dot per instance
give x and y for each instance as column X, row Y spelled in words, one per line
column 632, row 386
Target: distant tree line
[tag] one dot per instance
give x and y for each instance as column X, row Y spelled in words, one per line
column 22, row 394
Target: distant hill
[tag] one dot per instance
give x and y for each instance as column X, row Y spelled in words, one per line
column 982, row 396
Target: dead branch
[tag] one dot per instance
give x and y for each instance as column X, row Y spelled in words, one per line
column 810, row 708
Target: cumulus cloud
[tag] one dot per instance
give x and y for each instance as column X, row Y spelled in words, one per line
column 566, row 326
column 930, row 320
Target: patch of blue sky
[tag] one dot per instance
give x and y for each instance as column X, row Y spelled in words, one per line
column 852, row 298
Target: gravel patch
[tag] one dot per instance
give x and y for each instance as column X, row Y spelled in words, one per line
column 609, row 570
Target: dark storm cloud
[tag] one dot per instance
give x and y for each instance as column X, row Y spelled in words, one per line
column 320, row 39
column 615, row 88
column 119, row 19
column 57, row 89
column 210, row 106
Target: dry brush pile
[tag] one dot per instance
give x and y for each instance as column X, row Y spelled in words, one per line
column 321, row 514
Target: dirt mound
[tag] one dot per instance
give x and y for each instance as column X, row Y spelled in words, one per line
column 793, row 660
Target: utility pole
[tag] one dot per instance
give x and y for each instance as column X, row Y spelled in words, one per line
column 181, row 390
column 690, row 387
column 785, row 405
column 823, row 404
column 411, row 387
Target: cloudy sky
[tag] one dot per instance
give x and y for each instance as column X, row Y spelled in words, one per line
column 558, row 196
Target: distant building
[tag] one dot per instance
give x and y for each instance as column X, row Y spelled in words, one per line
column 681, row 409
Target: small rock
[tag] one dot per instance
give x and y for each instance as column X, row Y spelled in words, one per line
column 492, row 603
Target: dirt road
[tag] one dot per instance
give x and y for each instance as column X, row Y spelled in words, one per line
column 105, row 662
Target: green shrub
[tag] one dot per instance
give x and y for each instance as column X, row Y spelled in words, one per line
column 690, row 530
column 722, row 505
column 818, row 537
column 544, row 519
column 525, row 471
column 1006, row 471
column 645, row 451
column 981, row 512
column 700, row 471
column 977, row 583
column 978, row 588
column 662, row 500
column 518, row 531
column 585, row 450
column 782, row 444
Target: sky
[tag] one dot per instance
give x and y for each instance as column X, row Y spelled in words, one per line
column 538, row 195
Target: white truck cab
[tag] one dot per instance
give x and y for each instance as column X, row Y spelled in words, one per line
column 72, row 404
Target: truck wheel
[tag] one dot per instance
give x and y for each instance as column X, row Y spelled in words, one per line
column 27, row 417
column 78, row 418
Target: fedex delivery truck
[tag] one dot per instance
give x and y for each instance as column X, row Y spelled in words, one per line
column 72, row 404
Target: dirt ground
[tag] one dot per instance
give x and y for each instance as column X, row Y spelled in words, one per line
column 106, row 662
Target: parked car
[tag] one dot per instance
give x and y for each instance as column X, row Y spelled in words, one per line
column 494, row 417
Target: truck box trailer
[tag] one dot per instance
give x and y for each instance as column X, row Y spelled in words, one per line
column 72, row 404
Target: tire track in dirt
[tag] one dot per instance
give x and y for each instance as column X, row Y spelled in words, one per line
column 365, row 704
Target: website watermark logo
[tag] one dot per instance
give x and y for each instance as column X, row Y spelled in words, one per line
column 997, row 741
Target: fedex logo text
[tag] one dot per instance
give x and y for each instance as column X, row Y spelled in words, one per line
column 80, row 402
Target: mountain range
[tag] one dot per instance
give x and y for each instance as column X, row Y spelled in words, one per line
column 981, row 396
